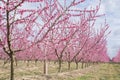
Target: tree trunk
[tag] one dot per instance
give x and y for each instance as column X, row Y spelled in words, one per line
column 85, row 64
column 6, row 61
column 60, row 65
column 15, row 60
column 76, row 65
column 36, row 60
column 45, row 67
column 28, row 62
column 89, row 64
column 82, row 66
column 69, row 65
column 11, row 67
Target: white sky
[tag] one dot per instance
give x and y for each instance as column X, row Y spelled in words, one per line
column 112, row 10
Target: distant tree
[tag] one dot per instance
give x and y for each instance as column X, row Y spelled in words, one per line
column 117, row 57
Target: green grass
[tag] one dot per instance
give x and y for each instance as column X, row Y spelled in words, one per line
column 86, row 77
column 107, row 71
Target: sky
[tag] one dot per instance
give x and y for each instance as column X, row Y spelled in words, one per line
column 112, row 10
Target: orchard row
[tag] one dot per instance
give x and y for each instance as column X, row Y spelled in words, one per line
column 52, row 30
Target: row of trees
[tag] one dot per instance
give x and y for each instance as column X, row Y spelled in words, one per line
column 117, row 57
column 50, row 31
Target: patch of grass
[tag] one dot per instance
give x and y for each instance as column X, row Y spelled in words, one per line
column 3, row 78
column 105, row 72
column 34, row 72
column 84, row 78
